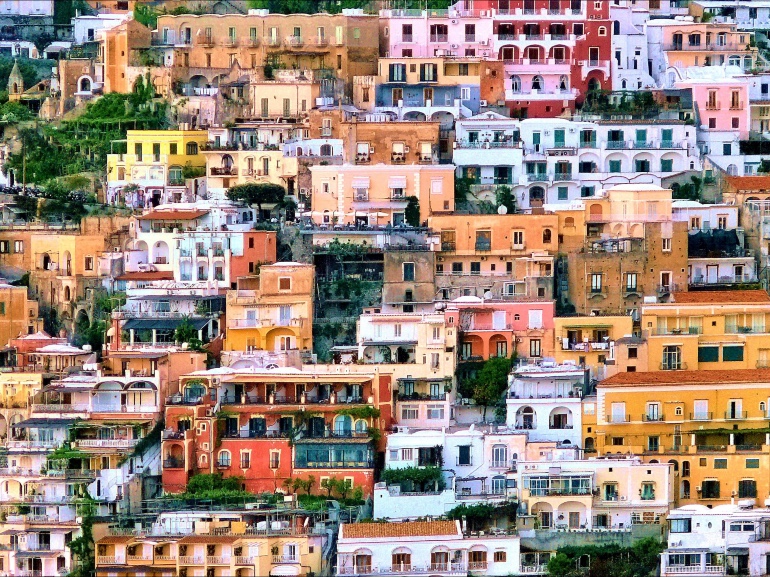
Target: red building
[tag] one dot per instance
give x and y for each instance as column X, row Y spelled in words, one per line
column 259, row 247
column 267, row 426
column 554, row 52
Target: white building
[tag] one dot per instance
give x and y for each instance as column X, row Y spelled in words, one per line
column 724, row 540
column 629, row 50
column 84, row 28
column 26, row 7
column 423, row 547
column 545, row 402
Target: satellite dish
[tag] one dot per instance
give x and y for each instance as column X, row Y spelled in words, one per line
column 488, row 294
column 502, row 209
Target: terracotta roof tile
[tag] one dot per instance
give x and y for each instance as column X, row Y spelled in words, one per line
column 677, row 378
column 115, row 540
column 173, row 215
column 721, row 297
column 147, row 275
column 748, row 182
column 408, row 529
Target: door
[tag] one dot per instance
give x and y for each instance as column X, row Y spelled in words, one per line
column 536, row 141
column 712, row 274
column 618, row 412
column 593, row 55
column 498, row 320
column 574, row 520
column 558, row 138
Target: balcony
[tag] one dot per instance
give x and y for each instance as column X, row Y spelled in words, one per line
column 618, row 419
column 140, row 558
column 648, row 418
column 241, row 560
column 736, row 415
column 63, row 408
column 106, row 443
column 285, row 559
column 224, row 171
column 204, row 40
column 217, row 560
column 673, row 366
column 190, row 560
column 109, row 560
column 483, row 245
column 439, row 38
column 448, row 246
column 701, row 416
column 173, row 463
column 713, row 105
column 361, row 196
column 562, row 176
column 362, row 158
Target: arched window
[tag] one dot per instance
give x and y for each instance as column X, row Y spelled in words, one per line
column 616, row 28
column 602, row 31
column 678, row 411
column 762, row 406
column 343, row 425
column 175, row 175
column 537, row 83
column 547, row 236
column 224, row 459
column 685, row 468
column 361, row 426
column 67, row 293
column 563, row 83
column 516, row 83
column 624, row 84
column 326, row 150
column 192, row 148
column 594, row 85
column 85, row 85
column 685, row 489
column 569, row 221
column 498, row 484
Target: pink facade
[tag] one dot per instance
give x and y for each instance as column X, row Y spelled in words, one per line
column 723, row 104
column 498, row 328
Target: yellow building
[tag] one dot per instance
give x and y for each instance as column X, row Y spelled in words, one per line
column 711, row 425
column 18, row 314
column 272, row 311
column 709, row 330
column 232, row 165
column 221, row 548
column 16, row 390
column 590, row 340
column 155, row 158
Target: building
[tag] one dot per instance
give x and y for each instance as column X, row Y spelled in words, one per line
column 422, row 546
column 155, row 167
column 631, row 249
column 591, row 341
column 273, row 310
column 708, row 330
column 18, row 313
column 707, row 424
column 363, row 195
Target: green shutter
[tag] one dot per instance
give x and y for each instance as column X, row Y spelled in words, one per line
column 708, row 354
column 732, row 353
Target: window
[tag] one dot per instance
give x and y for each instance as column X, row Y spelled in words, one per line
column 284, row 283
column 275, row 459
column 614, row 166
column 534, row 348
column 720, row 463
column 409, row 412
column 710, row 489
column 475, row 268
column 666, row 165
column 708, row 354
column 648, row 492
column 89, row 263
column 518, row 238
column 562, row 193
column 435, row 412
column 666, row 245
column 672, row 358
column 632, row 353
column 245, row 459
column 224, row 459
column 408, row 271
column 596, row 282
column 192, row 148
column 747, row 488
column 732, row 353
column 500, row 556
column 464, row 455
column 752, row 463
column 680, row 525
column 631, row 280
column 653, row 443
column 18, row 246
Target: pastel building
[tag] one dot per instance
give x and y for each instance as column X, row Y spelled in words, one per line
column 378, row 195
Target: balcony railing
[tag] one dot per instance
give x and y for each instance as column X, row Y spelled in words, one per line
column 190, row 560
column 618, row 418
column 736, row 415
column 707, row 416
column 241, row 560
column 673, row 366
column 106, row 443
column 285, row 559
column 217, row 560
column 173, row 463
column 224, row 171
column 648, row 418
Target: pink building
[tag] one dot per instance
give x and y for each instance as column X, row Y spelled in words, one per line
column 498, row 328
column 429, row 33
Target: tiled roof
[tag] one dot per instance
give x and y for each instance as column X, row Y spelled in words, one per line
column 677, row 378
column 209, row 539
column 408, row 529
column 721, row 297
column 115, row 540
column 173, row 215
column 748, row 182
column 147, row 275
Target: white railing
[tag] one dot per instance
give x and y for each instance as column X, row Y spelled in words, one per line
column 107, row 443
column 124, row 408
column 240, row 560
column 165, row 558
column 32, row 444
column 20, row 471
column 78, row 408
column 139, row 558
column 189, row 560
column 285, row 559
column 217, row 560
column 109, row 560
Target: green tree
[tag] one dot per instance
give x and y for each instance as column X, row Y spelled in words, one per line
column 504, row 197
column 462, row 190
column 329, row 485
column 560, row 565
column 257, row 194
column 412, row 211
column 491, row 382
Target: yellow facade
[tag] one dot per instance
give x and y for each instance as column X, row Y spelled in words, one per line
column 228, row 168
column 287, row 97
column 18, row 314
column 157, row 155
column 16, row 392
column 450, row 71
column 272, row 311
column 589, row 340
column 711, row 425
column 709, row 330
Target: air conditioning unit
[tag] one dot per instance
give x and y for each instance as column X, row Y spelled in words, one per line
column 572, row 131
column 484, row 42
column 440, row 258
column 454, row 22
column 371, row 150
column 455, row 46
column 482, row 103
column 622, row 497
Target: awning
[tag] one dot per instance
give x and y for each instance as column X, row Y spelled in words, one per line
column 163, row 324
column 397, row 182
column 360, row 182
column 42, row 423
column 737, row 551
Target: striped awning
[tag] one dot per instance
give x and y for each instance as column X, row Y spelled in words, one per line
column 397, row 182
column 361, row 182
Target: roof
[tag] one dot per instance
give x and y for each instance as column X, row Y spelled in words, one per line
column 678, row 378
column 721, row 297
column 408, row 529
column 209, row 539
column 748, row 182
column 147, row 275
column 115, row 539
column 45, row 423
column 173, row 214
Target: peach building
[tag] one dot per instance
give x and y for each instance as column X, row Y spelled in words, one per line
column 378, row 195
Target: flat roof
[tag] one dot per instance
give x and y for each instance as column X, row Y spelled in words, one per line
column 678, row 378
